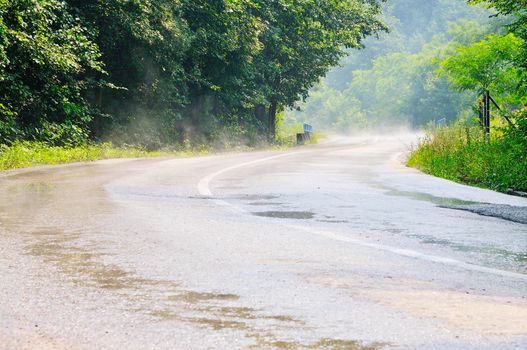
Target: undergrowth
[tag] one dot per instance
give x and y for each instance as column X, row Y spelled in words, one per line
column 463, row 153
column 24, row 154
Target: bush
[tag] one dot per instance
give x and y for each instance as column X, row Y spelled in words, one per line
column 47, row 63
column 23, row 154
column 462, row 153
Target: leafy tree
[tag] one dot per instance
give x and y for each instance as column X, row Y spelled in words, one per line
column 303, row 40
column 516, row 12
column 224, row 49
column 431, row 96
column 143, row 45
column 394, row 80
column 517, row 9
column 163, row 71
column 486, row 65
column 45, row 56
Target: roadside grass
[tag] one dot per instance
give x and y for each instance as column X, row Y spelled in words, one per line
column 462, row 153
column 26, row 154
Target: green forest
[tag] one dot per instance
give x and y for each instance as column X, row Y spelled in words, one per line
column 164, row 72
column 400, row 79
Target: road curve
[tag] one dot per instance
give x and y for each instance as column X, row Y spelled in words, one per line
column 334, row 246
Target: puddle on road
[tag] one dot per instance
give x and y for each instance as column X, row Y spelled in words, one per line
column 80, row 259
column 334, row 221
column 201, row 197
column 250, row 197
column 165, row 300
column 420, row 196
column 231, row 187
column 340, row 344
column 322, row 344
column 196, row 297
column 219, row 324
column 234, row 318
column 224, row 317
column 503, row 254
column 37, row 187
column 263, row 204
column 298, row 215
column 239, row 312
column 81, row 265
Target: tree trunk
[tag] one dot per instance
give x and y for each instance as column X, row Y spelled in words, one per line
column 260, row 113
column 271, row 121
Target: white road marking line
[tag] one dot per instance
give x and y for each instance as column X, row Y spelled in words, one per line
column 203, row 185
column 204, row 190
column 411, row 253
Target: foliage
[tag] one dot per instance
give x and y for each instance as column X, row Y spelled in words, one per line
column 462, row 153
column 395, row 79
column 305, row 39
column 485, row 65
column 516, row 10
column 23, row 154
column 163, row 71
column 45, row 54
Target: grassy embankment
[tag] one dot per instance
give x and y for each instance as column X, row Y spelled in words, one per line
column 462, row 153
column 26, row 154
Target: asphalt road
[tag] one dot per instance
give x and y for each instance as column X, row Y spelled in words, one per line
column 334, row 246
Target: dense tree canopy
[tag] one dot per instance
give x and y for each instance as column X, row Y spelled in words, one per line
column 516, row 11
column 45, row 56
column 162, row 71
column 485, row 65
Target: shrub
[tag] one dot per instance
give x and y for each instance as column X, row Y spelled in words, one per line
column 462, row 153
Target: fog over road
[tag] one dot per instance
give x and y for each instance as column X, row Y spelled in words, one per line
column 334, row 246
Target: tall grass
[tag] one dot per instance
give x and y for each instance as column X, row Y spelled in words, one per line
column 462, row 153
column 25, row 154
column 22, row 154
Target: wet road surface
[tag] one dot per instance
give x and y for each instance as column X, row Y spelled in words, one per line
column 335, row 246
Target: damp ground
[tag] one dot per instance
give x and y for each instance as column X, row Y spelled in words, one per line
column 298, row 215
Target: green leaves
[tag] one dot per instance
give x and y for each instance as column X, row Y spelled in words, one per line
column 516, row 13
column 488, row 64
column 394, row 79
column 45, row 55
column 172, row 69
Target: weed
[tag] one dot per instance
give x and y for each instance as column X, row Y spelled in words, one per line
column 462, row 153
column 24, row 154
